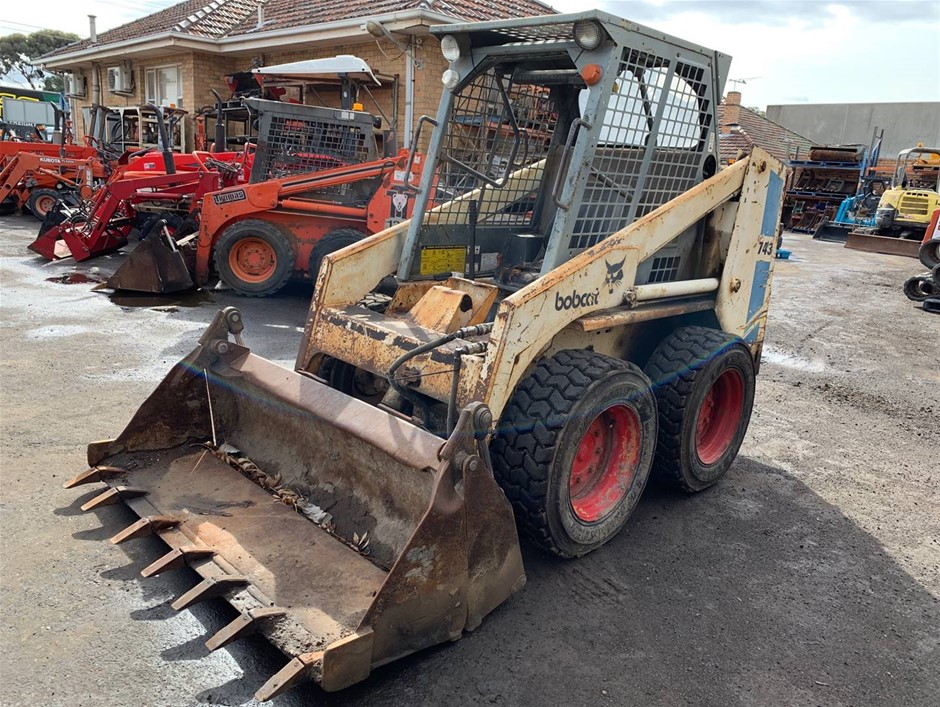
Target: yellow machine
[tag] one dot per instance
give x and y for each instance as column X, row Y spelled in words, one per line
column 580, row 302
column 905, row 209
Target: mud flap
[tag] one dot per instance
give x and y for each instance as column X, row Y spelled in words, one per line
column 155, row 265
column 345, row 535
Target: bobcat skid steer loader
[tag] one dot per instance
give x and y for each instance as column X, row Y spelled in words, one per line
column 579, row 301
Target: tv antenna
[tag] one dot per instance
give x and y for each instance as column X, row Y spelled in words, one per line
column 742, row 81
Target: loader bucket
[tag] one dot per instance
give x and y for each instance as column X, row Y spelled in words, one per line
column 155, row 265
column 348, row 536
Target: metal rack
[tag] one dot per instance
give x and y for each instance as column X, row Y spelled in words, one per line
column 135, row 127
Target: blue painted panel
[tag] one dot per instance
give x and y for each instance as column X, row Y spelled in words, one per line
column 750, row 336
column 768, row 226
column 758, row 288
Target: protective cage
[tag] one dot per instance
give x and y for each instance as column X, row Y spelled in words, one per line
column 298, row 139
column 581, row 161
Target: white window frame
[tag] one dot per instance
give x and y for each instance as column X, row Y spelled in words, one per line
column 150, row 85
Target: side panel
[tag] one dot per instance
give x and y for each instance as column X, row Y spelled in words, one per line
column 744, row 293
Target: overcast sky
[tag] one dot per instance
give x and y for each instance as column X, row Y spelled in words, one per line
column 787, row 51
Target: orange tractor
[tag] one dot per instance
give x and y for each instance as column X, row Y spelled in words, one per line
column 318, row 184
column 144, row 187
column 35, row 175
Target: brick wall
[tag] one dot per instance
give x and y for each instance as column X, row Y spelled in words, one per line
column 201, row 72
column 138, row 97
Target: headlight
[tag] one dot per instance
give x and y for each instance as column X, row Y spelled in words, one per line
column 588, row 34
column 450, row 78
column 450, row 48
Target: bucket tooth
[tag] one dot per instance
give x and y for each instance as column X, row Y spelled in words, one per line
column 113, row 495
column 297, row 671
column 247, row 622
column 95, row 473
column 144, row 527
column 209, row 588
column 175, row 559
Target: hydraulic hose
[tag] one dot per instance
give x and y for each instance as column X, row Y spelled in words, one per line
column 403, row 390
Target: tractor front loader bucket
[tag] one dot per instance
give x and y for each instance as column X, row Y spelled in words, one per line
column 346, row 535
column 155, row 265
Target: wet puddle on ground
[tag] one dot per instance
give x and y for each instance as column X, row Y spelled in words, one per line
column 163, row 303
column 75, row 278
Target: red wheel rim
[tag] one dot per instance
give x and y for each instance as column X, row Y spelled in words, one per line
column 604, row 463
column 252, row 260
column 719, row 416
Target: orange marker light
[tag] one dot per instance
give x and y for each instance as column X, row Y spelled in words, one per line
column 591, row 74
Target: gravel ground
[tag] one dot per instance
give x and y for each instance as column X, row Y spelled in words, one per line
column 809, row 576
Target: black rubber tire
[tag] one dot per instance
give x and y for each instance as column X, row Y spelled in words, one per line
column 935, row 274
column 919, row 288
column 38, row 196
column 538, row 437
column 330, row 243
column 280, row 243
column 929, row 253
column 376, row 301
column 683, row 368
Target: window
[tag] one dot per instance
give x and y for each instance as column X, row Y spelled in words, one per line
column 164, row 87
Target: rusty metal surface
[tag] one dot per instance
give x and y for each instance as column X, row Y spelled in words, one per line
column 644, row 312
column 155, row 265
column 442, row 549
column 442, row 309
column 871, row 243
column 294, row 563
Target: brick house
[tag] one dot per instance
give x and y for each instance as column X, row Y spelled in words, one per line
column 175, row 56
column 743, row 128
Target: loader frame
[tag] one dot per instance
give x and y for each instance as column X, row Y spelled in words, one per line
column 740, row 224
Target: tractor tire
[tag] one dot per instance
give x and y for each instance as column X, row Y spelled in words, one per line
column 41, row 202
column 7, row 206
column 574, row 448
column 704, row 382
column 919, row 288
column 929, row 253
column 330, row 243
column 254, row 257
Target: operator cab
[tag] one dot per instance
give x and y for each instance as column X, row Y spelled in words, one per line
column 527, row 131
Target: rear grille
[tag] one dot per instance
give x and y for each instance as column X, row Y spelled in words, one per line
column 912, row 205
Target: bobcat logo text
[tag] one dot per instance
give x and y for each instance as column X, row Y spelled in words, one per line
column 576, row 300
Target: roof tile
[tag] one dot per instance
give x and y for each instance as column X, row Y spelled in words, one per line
column 215, row 19
column 755, row 129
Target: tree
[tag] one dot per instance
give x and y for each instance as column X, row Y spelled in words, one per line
column 19, row 52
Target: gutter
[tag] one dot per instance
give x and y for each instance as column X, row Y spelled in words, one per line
column 311, row 34
column 129, row 47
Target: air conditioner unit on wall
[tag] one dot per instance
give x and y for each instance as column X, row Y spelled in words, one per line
column 120, row 79
column 76, row 84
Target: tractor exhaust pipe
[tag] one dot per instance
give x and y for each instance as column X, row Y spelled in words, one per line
column 168, row 165
column 220, row 137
